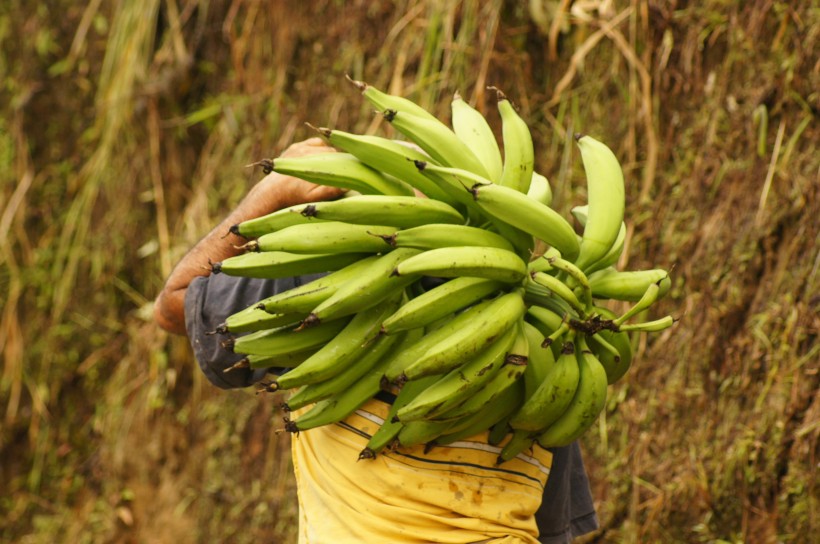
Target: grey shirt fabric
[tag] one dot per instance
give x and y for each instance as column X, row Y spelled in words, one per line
column 567, row 510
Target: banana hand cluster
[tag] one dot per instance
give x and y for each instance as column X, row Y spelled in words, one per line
column 514, row 342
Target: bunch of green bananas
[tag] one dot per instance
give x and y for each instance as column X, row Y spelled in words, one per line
column 516, row 340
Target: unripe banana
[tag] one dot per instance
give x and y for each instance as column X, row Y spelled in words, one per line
column 280, row 264
column 370, row 288
column 559, row 289
column 528, row 215
column 648, row 299
column 305, row 297
column 627, row 285
column 396, row 211
column 605, row 190
column 586, row 405
column 271, row 222
column 656, row 325
column 519, row 155
column 345, row 349
column 385, row 101
column 439, row 302
column 437, row 235
column 519, row 442
column 256, row 319
column 483, row 262
column 341, row 405
column 498, row 316
column 461, row 382
column 436, row 139
column 326, row 237
column 340, row 170
column 540, row 359
column 614, row 351
column 389, row 156
column 275, row 342
column 472, row 128
column 540, row 189
column 321, row 390
column 552, row 397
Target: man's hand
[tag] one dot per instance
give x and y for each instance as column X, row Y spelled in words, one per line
column 272, row 193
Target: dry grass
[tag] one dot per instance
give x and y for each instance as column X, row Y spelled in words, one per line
column 124, row 133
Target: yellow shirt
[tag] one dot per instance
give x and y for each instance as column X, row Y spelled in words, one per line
column 451, row 494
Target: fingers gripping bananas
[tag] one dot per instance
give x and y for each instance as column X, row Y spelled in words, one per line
column 516, row 347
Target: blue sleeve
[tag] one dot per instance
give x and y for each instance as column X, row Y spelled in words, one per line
column 209, row 300
column 567, row 510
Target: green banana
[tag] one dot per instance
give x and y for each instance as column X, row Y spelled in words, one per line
column 528, row 215
column 304, row 298
column 346, row 348
column 314, row 392
column 384, row 101
column 461, row 382
column 437, row 235
column 436, row 139
column 576, row 277
column 605, row 182
column 501, row 401
column 368, row 289
column 326, row 237
column 390, row 157
column 341, row 170
column 341, row 405
column 552, row 397
column 519, row 442
column 588, row 402
column 560, row 290
column 627, row 285
column 276, row 342
column 614, row 254
column 540, row 189
column 614, row 351
column 441, row 301
column 484, row 262
column 519, row 155
column 280, row 264
column 286, row 360
column 436, row 332
column 498, row 316
column 256, row 319
column 421, row 431
column 395, row 211
column 472, row 128
column 540, row 359
column 286, row 217
column 656, row 325
column 648, row 299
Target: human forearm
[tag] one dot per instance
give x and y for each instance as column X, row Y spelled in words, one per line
column 272, row 193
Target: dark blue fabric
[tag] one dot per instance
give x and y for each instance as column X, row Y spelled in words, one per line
column 567, row 510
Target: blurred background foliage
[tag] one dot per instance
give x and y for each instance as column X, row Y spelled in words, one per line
column 125, row 130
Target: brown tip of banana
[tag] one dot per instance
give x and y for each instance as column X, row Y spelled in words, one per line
column 215, row 268
column 367, row 453
column 577, row 136
column 361, row 85
column 499, row 94
column 242, row 363
column 389, row 115
column 228, row 344
column 429, row 446
column 290, row 426
column 567, row 348
column 456, row 96
column 421, row 165
column 308, row 322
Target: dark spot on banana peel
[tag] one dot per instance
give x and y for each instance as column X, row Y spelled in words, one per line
column 309, row 210
column 310, row 321
column 513, row 359
column 421, row 165
column 567, row 348
column 389, row 115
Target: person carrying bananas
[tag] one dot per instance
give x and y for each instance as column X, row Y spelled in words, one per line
column 454, row 494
